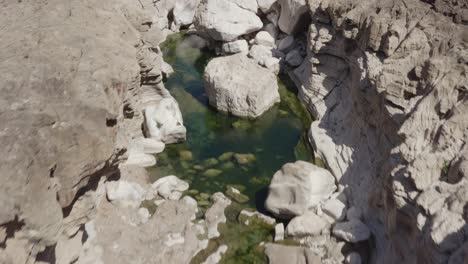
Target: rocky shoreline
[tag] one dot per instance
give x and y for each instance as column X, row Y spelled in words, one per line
column 85, row 111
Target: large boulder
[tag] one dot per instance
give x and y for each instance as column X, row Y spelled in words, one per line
column 184, row 11
column 225, row 20
column 239, row 86
column 298, row 187
column 294, row 15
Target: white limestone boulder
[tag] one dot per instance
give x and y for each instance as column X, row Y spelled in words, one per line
column 298, row 187
column 237, row 46
column 308, row 224
column 264, row 56
column 264, row 38
column 265, row 5
column 239, row 86
column 170, row 187
column 215, row 214
column 184, row 11
column 125, row 194
column 334, row 208
column 164, row 121
column 226, row 20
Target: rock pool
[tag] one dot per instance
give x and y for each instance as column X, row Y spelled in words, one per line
column 223, row 151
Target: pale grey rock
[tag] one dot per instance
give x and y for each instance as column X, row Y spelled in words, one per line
column 215, row 214
column 236, row 46
column 352, row 231
column 298, row 187
column 279, row 232
column 184, row 11
column 308, row 224
column 125, row 194
column 447, row 230
column 264, row 56
column 279, row 254
column 228, row 86
column 294, row 14
column 144, row 215
column 140, row 159
column 170, row 187
column 226, row 20
column 335, row 209
column 217, row 255
column 264, row 38
column 164, row 121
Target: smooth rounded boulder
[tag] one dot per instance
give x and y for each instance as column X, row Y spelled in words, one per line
column 226, row 20
column 238, row 85
column 298, row 187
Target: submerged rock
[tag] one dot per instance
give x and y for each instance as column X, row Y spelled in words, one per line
column 226, row 156
column 279, row 232
column 212, row 172
column 226, row 20
column 244, row 159
column 228, row 84
column 185, row 155
column 236, row 195
column 298, row 187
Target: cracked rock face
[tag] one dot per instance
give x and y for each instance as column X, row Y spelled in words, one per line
column 387, row 85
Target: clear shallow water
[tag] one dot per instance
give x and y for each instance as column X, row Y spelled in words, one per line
column 209, row 160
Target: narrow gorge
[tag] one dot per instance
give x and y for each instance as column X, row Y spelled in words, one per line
column 234, row 131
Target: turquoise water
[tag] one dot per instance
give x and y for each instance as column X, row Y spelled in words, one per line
column 223, row 150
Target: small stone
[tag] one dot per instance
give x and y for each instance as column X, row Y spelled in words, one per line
column 170, row 184
column 248, row 217
column 125, row 194
column 335, row 209
column 353, row 258
column 279, row 232
column 264, row 38
column 285, row 43
column 308, row 224
column 144, row 215
column 244, row 159
column 210, row 162
column 352, row 231
column 227, row 165
column 241, row 125
column 198, row 167
column 212, row 172
column 185, row 155
column 236, row 195
column 237, row 46
column 226, row 156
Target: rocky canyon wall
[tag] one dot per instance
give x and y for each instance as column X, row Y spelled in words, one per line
column 386, row 81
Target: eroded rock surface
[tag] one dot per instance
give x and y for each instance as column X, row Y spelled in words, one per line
column 239, row 86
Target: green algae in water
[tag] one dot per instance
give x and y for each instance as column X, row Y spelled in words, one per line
column 276, row 138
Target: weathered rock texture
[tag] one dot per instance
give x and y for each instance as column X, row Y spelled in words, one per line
column 237, row 85
column 70, row 113
column 387, row 83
